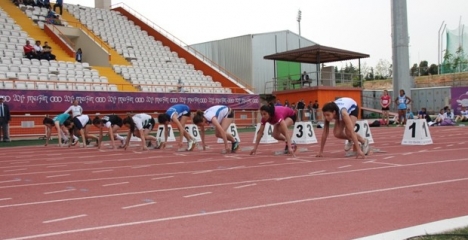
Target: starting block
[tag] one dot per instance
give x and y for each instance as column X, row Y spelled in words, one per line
column 232, row 129
column 304, row 133
column 160, row 135
column 267, row 134
column 416, row 133
column 362, row 128
column 192, row 129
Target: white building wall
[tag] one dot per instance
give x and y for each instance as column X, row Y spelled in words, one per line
column 243, row 55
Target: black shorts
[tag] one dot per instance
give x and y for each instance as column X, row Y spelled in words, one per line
column 150, row 124
column 77, row 123
column 187, row 115
column 293, row 118
column 231, row 113
column 385, row 109
column 355, row 112
column 117, row 121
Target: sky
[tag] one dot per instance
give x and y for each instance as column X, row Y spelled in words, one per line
column 356, row 25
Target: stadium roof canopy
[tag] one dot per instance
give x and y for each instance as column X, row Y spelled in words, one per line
column 316, row 54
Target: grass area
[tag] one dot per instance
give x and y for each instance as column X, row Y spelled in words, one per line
column 457, row 234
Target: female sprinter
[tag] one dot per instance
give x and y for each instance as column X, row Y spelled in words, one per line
column 281, row 118
column 142, row 122
column 385, row 102
column 178, row 114
column 220, row 117
column 402, row 102
column 81, row 123
column 62, row 132
column 113, row 123
column 344, row 111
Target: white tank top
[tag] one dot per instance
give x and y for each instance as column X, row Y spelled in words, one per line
column 347, row 103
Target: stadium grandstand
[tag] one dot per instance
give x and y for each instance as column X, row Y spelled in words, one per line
column 115, row 63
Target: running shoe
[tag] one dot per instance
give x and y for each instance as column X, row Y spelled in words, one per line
column 235, row 146
column 365, row 147
column 294, row 146
column 348, row 145
column 191, row 144
column 75, row 141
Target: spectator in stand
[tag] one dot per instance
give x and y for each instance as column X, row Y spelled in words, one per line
column 59, row 4
column 5, row 119
column 38, row 49
column 47, row 52
column 315, row 108
column 79, row 55
column 300, row 110
column 305, row 79
column 180, row 86
column 29, row 51
column 46, row 4
column 463, row 115
column 278, row 103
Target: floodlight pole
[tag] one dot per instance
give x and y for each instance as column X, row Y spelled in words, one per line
column 299, row 17
column 439, row 48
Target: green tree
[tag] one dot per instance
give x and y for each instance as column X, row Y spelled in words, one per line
column 414, row 70
column 423, row 68
column 433, row 69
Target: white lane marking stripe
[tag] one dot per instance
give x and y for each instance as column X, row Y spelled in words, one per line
column 60, row 191
column 231, row 210
column 61, row 175
column 113, row 184
column 196, row 195
column 248, row 185
column 66, row 218
column 162, row 177
column 138, row 205
column 99, row 171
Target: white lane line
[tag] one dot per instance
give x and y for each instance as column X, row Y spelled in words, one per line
column 15, row 170
column 4, row 199
column 345, row 166
column 196, row 195
column 162, row 177
column 138, row 205
column 317, row 172
column 388, row 157
column 243, row 166
column 113, row 184
column 143, row 166
column 14, row 180
column 66, row 218
column 54, row 154
column 266, row 163
column 437, row 148
column 371, row 161
column 425, row 150
column 200, row 172
column 87, row 156
column 56, row 166
column 231, row 210
column 407, row 153
column 61, row 175
column 243, row 186
column 96, row 162
column 391, row 164
column 19, row 162
column 60, row 191
column 450, row 145
column 174, row 163
column 100, row 171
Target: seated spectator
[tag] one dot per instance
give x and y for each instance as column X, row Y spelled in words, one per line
column 463, row 117
column 59, row 4
column 29, row 51
column 38, row 49
column 47, row 52
column 305, row 78
column 409, row 114
column 53, row 18
column 423, row 115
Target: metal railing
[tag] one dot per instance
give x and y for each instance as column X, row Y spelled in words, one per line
column 183, row 45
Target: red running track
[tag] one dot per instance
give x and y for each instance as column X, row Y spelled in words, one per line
column 76, row 193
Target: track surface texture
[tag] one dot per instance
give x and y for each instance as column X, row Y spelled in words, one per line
column 85, row 193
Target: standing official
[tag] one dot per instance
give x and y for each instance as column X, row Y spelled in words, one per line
column 5, row 119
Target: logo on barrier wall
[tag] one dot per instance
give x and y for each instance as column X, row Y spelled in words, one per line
column 100, row 99
column 174, row 100
column 203, row 100
column 55, row 99
column 140, row 100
